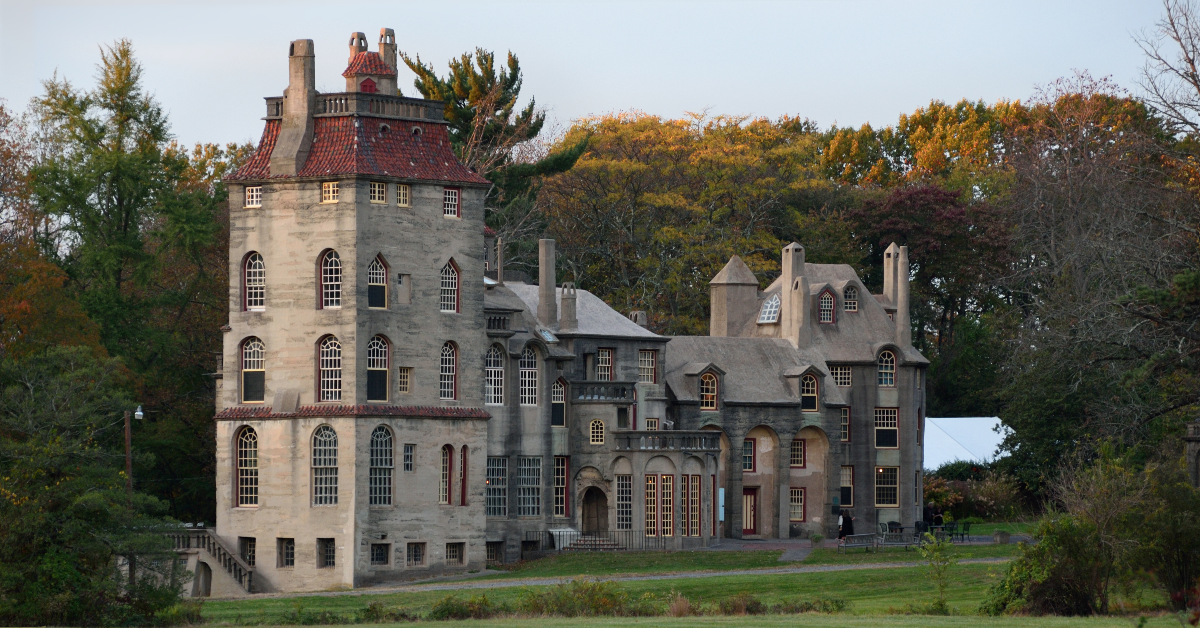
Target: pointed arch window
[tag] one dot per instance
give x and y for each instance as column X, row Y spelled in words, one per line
column 331, row 369
column 377, row 284
column 448, row 373
column 448, row 298
column 887, row 369
column 529, row 377
column 382, row 464
column 324, row 466
column 770, row 310
column 377, row 369
column 808, row 393
column 825, row 307
column 850, row 299
column 247, row 467
column 708, row 391
column 255, row 281
column 254, row 373
column 493, row 376
column 558, row 405
column 331, row 280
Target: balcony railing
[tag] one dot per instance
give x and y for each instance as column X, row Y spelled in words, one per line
column 366, row 103
column 603, row 392
column 669, row 440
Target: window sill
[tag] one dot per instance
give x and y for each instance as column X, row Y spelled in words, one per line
column 379, row 202
column 255, row 507
column 252, row 403
column 404, row 205
column 384, row 309
column 251, row 206
column 452, row 217
column 256, row 310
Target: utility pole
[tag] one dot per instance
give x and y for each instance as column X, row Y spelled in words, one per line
column 128, row 459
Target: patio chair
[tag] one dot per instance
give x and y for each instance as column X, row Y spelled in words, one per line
column 893, row 526
column 919, row 530
column 951, row 530
column 965, row 534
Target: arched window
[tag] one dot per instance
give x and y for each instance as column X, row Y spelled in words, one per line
column 247, row 468
column 447, row 471
column 493, row 376
column 708, row 391
column 331, row 280
column 255, row 281
column 377, row 369
column 331, row 370
column 770, row 310
column 850, row 299
column 377, row 284
column 887, row 369
column 380, row 481
column 558, row 405
column 254, row 373
column 463, row 475
column 324, row 466
column 808, row 393
column 529, row 377
column 596, row 432
column 448, row 373
column 448, row 299
column 825, row 307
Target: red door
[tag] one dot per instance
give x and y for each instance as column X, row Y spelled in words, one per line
column 749, row 511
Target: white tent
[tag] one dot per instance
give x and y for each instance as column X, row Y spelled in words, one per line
column 973, row 439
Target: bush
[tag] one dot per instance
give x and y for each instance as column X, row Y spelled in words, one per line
column 474, row 607
column 994, row 496
column 1055, row 576
column 680, row 606
column 585, row 598
column 742, row 604
column 816, row 539
column 818, row 605
column 377, row 613
column 960, row 470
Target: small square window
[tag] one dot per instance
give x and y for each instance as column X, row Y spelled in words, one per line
column 254, row 196
column 329, row 192
column 495, row 552
column 454, row 553
column 416, row 555
column 404, row 380
column 378, row 192
column 381, row 554
column 450, row 202
column 285, row 549
column 651, row 424
column 326, row 553
column 402, row 195
column 841, row 375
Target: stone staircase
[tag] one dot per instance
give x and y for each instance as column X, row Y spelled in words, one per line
column 196, row 539
column 593, row 544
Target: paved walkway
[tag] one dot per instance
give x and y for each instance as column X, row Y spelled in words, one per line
column 466, row 585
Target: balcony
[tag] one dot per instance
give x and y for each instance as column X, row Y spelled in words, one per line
column 669, row 440
column 380, row 105
column 602, row 392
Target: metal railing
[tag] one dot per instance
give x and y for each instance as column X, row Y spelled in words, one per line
column 206, row 539
column 601, row 391
column 364, row 102
column 670, row 440
column 539, row 543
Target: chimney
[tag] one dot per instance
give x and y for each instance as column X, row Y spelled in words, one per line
column 903, row 325
column 569, row 321
column 358, row 43
column 299, row 101
column 793, row 295
column 547, row 305
column 640, row 318
column 500, row 261
column 733, row 298
column 387, row 51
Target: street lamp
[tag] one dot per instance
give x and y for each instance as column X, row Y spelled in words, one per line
column 137, row 414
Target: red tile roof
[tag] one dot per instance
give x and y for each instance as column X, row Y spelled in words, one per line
column 409, row 149
column 265, row 412
column 368, row 63
column 487, row 231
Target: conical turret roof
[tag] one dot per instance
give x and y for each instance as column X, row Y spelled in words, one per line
column 736, row 272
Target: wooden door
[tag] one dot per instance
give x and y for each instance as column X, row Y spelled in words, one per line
column 749, row 511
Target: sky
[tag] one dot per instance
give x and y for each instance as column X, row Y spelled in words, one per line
column 844, row 62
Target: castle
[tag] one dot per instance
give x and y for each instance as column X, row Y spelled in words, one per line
column 390, row 407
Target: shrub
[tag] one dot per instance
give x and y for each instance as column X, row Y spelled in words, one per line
column 960, row 470
column 584, row 598
column 474, row 607
column 680, row 606
column 818, row 605
column 1055, row 576
column 940, row 556
column 185, row 613
column 995, row 495
column 742, row 604
column 377, row 613
column 816, row 539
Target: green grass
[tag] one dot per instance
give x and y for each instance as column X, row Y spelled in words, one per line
column 1012, row 527
column 613, row 563
column 814, row 621
column 826, row 556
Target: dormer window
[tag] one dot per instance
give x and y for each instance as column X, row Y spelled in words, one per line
column 887, row 369
column 850, row 299
column 708, row 391
column 770, row 310
column 808, row 393
column 825, row 307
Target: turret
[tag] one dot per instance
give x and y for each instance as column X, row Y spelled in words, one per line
column 299, row 102
column 733, row 298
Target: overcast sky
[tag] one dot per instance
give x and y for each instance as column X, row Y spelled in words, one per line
column 847, row 62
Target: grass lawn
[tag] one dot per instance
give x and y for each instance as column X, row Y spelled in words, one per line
column 611, row 563
column 826, row 556
column 1012, row 527
column 815, row 621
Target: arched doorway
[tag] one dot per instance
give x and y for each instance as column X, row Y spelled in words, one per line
column 202, row 584
column 595, row 511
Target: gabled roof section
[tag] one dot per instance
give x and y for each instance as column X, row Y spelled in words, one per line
column 368, row 63
column 736, row 272
column 754, row 370
column 595, row 316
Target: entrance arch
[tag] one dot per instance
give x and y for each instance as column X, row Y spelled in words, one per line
column 595, row 511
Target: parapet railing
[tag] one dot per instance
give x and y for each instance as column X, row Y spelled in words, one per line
column 669, row 440
column 367, row 103
column 206, row 539
column 602, row 391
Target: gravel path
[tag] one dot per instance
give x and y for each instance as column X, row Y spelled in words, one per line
column 465, row 585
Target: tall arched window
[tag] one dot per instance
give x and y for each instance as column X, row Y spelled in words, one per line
column 255, row 281
column 850, row 299
column 770, row 310
column 493, row 376
column 596, row 432
column 377, row 369
column 448, row 373
column 380, row 481
column 377, row 284
column 808, row 393
column 254, row 373
column 708, row 391
column 447, row 472
column 825, row 307
column 324, row 466
column 247, row 467
column 463, row 474
column 887, row 369
column 331, row 280
column 558, row 405
column 331, row 370
column 529, row 377
column 448, row 299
